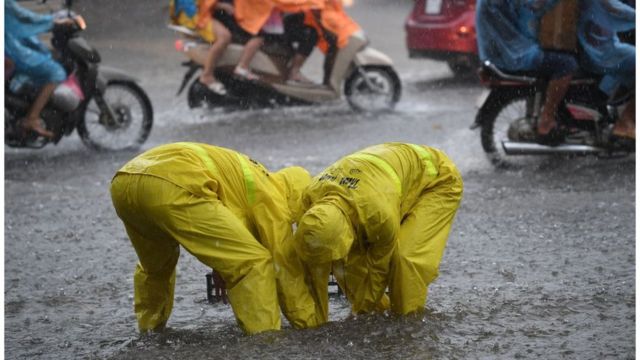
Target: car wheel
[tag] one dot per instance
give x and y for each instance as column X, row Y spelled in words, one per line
column 464, row 68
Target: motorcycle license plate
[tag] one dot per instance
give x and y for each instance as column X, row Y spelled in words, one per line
column 432, row 7
column 482, row 98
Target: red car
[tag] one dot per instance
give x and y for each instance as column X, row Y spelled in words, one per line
column 444, row 30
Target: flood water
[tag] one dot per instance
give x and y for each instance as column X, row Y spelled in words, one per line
column 540, row 262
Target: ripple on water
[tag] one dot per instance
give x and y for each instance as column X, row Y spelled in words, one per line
column 367, row 336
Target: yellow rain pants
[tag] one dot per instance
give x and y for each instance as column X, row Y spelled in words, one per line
column 229, row 212
column 379, row 218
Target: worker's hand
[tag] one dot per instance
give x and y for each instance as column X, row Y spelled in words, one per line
column 219, row 287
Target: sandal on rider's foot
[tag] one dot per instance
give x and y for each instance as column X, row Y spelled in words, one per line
column 245, row 74
column 554, row 137
column 24, row 129
column 215, row 87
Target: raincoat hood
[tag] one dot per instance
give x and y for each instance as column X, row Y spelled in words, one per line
column 324, row 234
column 294, row 180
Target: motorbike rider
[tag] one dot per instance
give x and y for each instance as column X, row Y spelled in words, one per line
column 231, row 213
column 508, row 37
column 250, row 13
column 604, row 53
column 32, row 60
column 334, row 27
column 376, row 218
column 262, row 18
column 303, row 38
column 198, row 16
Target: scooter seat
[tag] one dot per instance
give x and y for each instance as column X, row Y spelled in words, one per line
column 275, row 47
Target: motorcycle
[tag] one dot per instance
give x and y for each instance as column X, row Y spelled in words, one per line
column 364, row 75
column 510, row 106
column 107, row 107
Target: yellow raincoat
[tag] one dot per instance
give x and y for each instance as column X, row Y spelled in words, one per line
column 228, row 211
column 379, row 218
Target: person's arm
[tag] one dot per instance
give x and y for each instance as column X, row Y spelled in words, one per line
column 34, row 23
column 381, row 238
column 294, row 293
column 317, row 276
column 299, row 306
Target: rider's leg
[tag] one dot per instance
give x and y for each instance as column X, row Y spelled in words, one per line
column 297, row 62
column 560, row 68
column 47, row 75
column 330, row 56
column 223, row 38
column 32, row 121
column 626, row 126
column 305, row 37
column 250, row 49
column 555, row 92
column 621, row 77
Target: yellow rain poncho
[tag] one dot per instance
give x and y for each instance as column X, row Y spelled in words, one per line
column 228, row 211
column 378, row 219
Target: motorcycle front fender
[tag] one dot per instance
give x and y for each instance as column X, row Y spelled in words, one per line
column 370, row 56
column 107, row 74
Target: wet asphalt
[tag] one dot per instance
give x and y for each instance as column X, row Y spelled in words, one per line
column 540, row 261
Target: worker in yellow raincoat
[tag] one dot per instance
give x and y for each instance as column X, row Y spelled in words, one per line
column 229, row 212
column 378, row 219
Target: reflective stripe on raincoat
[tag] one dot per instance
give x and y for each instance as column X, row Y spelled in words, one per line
column 229, row 212
column 508, row 32
column 604, row 53
column 376, row 218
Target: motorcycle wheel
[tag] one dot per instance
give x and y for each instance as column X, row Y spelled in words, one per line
column 373, row 88
column 505, row 117
column 132, row 126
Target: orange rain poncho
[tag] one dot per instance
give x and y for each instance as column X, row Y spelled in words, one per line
column 228, row 211
column 334, row 19
column 378, row 219
column 251, row 15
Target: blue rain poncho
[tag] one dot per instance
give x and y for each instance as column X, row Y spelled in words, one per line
column 22, row 46
column 508, row 32
column 603, row 52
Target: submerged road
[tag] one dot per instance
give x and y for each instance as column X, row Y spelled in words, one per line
column 540, row 261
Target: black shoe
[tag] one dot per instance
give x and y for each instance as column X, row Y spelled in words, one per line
column 554, row 137
column 622, row 142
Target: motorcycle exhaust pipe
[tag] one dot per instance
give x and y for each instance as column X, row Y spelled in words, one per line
column 518, row 148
